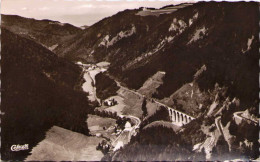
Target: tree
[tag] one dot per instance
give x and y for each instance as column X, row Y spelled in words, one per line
column 144, row 108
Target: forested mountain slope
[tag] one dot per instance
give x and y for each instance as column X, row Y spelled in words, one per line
column 39, row 90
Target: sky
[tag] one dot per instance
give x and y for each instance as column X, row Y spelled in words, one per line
column 76, row 12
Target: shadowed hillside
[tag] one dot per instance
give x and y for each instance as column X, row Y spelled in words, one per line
column 39, row 90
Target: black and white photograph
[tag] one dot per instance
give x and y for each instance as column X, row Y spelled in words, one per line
column 129, row 80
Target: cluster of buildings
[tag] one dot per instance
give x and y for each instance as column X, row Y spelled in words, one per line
column 110, row 102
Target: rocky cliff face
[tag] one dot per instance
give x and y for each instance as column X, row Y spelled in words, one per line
column 215, row 36
column 211, row 72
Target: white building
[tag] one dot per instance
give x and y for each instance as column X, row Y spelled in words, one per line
column 128, row 126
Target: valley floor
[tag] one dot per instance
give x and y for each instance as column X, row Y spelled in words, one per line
column 62, row 144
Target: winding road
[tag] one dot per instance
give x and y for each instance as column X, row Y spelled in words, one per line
column 141, row 95
column 126, row 134
column 239, row 116
column 236, row 115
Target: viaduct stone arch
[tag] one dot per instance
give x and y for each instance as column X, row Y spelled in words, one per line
column 179, row 118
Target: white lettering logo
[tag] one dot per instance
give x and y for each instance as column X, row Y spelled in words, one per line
column 19, row 147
